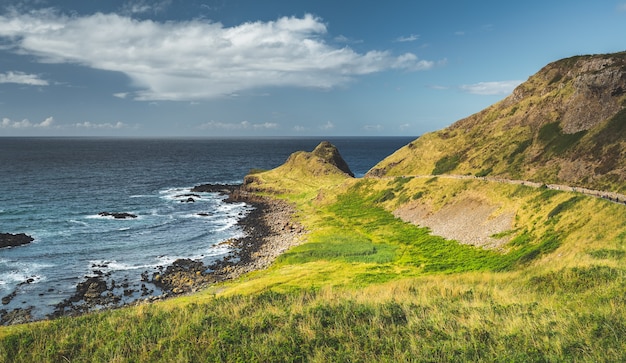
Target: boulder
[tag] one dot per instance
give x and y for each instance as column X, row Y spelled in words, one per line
column 117, row 215
column 14, row 240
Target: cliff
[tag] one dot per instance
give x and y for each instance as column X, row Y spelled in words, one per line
column 566, row 124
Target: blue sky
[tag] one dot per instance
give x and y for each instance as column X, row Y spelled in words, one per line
column 211, row 68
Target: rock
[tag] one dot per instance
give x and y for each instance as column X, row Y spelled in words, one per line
column 182, row 276
column 7, row 299
column 188, row 200
column 117, row 215
column 197, row 196
column 16, row 316
column 215, row 188
column 14, row 240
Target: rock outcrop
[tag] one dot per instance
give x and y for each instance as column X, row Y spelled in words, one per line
column 330, row 154
column 117, row 215
column 14, row 240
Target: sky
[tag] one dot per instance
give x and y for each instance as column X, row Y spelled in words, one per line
column 251, row 68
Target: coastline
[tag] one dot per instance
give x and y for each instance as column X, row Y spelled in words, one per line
column 268, row 232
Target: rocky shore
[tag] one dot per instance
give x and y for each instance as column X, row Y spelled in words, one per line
column 269, row 231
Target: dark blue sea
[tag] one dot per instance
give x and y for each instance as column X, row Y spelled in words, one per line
column 54, row 188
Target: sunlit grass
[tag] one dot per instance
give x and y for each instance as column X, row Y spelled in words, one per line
column 366, row 286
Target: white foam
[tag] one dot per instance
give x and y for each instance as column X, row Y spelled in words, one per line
column 79, row 222
column 98, row 216
column 20, row 272
column 113, row 265
column 227, row 224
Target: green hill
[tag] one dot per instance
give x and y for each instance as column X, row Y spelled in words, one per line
column 407, row 266
column 566, row 124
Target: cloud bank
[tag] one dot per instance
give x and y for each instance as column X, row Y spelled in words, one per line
column 491, row 88
column 49, row 123
column 22, row 78
column 197, row 59
column 25, row 123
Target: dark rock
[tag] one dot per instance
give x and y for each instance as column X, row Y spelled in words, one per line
column 14, row 240
column 197, row 196
column 215, row 188
column 117, row 215
column 16, row 316
column 188, row 200
column 183, row 275
column 7, row 299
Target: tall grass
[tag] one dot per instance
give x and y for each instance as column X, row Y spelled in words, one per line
column 464, row 318
column 369, row 287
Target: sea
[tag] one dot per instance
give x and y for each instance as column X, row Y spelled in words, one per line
column 54, row 190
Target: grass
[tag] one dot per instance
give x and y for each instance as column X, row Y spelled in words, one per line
column 474, row 317
column 367, row 286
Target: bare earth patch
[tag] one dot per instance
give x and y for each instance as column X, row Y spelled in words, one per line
column 470, row 221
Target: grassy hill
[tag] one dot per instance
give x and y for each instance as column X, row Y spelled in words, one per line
column 370, row 284
column 566, row 124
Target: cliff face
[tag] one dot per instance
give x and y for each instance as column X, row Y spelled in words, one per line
column 566, row 124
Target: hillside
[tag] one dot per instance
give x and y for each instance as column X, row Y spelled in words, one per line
column 566, row 125
column 405, row 266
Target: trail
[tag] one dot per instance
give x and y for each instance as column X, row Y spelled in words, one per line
column 610, row 196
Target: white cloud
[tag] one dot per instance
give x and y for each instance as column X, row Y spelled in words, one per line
column 490, row 88
column 25, row 123
column 145, row 7
column 346, row 40
column 99, row 126
column 22, row 78
column 327, row 126
column 621, row 7
column 197, row 59
column 121, row 94
column 410, row 38
column 243, row 125
column 50, row 123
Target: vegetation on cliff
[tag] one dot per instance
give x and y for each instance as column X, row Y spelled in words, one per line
column 566, row 124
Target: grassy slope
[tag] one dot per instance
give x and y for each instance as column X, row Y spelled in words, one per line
column 368, row 287
column 522, row 136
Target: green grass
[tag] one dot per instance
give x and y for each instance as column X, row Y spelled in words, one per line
column 446, row 164
column 423, row 321
column 366, row 286
column 555, row 141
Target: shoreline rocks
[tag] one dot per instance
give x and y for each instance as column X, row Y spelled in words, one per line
column 117, row 215
column 269, row 231
column 14, row 240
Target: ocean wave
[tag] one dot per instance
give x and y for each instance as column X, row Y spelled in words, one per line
column 79, row 222
column 22, row 272
column 112, row 218
column 114, row 265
